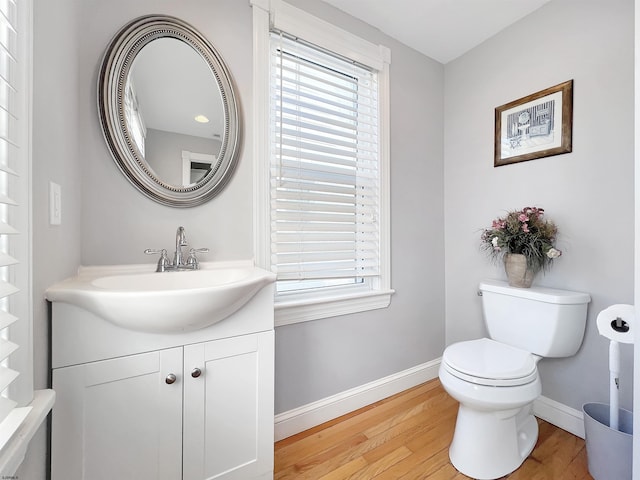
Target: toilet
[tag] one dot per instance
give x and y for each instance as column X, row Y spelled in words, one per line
column 496, row 379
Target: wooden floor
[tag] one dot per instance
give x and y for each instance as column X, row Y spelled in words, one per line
column 407, row 437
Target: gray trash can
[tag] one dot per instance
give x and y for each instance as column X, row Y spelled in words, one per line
column 609, row 451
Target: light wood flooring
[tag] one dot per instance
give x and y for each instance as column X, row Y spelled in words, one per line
column 407, row 437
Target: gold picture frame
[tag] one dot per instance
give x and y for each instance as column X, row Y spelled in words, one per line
column 538, row 125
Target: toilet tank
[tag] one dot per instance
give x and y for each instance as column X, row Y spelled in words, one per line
column 544, row 321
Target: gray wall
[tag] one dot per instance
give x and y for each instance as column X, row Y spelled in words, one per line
column 112, row 209
column 105, row 221
column 56, row 157
column 324, row 357
column 588, row 192
column 442, row 193
column 320, row 358
column 163, row 152
column 636, row 387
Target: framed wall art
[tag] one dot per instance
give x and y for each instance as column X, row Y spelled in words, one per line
column 538, row 125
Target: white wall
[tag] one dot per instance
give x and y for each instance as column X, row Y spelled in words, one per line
column 588, row 192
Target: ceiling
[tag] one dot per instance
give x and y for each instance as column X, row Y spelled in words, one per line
column 440, row 29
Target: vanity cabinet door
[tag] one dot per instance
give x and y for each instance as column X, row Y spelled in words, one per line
column 228, row 408
column 119, row 419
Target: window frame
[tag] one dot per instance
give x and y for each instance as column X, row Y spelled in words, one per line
column 278, row 15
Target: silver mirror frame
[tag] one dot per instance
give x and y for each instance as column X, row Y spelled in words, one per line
column 114, row 71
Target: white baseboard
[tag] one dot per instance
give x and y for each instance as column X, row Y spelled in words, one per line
column 560, row 415
column 315, row 413
column 308, row 416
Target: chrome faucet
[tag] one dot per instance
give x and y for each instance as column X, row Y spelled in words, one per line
column 179, row 263
column 181, row 241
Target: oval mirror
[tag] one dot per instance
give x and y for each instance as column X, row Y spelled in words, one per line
column 168, row 111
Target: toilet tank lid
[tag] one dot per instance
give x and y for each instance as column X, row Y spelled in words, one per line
column 540, row 294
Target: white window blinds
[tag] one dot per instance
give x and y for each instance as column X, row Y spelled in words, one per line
column 324, row 165
column 14, row 243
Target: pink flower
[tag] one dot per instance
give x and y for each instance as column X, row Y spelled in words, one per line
column 523, row 217
column 525, row 227
column 534, row 211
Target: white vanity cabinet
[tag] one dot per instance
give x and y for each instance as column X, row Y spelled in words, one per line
column 118, row 418
column 224, row 409
column 139, row 406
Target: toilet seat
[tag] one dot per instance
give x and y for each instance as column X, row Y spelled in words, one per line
column 487, row 362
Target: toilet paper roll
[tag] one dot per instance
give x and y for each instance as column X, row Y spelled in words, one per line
column 617, row 322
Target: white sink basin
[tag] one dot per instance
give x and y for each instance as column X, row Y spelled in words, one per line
column 138, row 298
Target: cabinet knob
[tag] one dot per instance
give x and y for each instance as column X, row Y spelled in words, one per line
column 171, row 378
column 196, row 372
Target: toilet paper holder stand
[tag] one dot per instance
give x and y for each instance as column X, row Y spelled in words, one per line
column 619, row 333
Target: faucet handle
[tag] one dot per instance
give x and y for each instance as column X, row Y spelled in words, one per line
column 192, row 261
column 163, row 261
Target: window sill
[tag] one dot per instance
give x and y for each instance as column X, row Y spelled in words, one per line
column 298, row 311
column 15, row 450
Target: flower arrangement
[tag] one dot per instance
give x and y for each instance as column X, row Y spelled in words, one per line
column 526, row 232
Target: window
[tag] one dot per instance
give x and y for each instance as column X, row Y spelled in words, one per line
column 21, row 409
column 326, row 222
column 13, row 257
column 324, row 169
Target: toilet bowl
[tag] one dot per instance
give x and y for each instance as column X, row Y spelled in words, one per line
column 496, row 379
column 495, row 385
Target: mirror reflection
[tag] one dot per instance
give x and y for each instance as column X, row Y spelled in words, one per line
column 174, row 111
